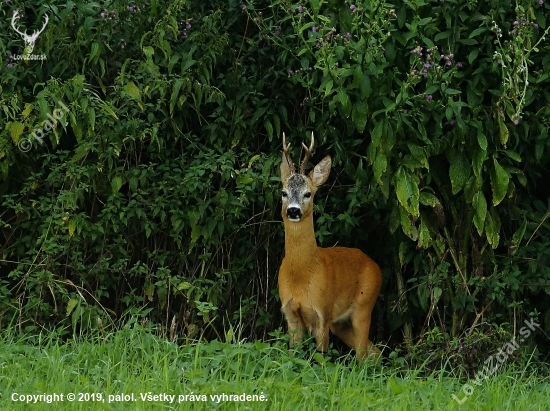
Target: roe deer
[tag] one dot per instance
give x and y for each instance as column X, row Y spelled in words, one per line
column 322, row 288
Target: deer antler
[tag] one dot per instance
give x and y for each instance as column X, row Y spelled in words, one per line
column 14, row 18
column 46, row 20
column 303, row 165
column 287, row 155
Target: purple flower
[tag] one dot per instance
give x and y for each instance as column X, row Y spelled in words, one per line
column 131, row 8
column 535, row 26
column 515, row 23
column 442, row 56
column 260, row 37
column 459, row 64
column 187, row 26
column 523, row 20
column 499, row 61
column 541, row 1
column 314, row 29
column 277, row 32
column 300, row 9
column 516, row 122
column 429, row 97
column 449, row 63
column 103, row 15
column 452, row 122
column 405, row 111
column 348, row 35
column 352, row 7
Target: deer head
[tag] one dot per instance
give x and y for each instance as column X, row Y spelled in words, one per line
column 29, row 40
column 299, row 188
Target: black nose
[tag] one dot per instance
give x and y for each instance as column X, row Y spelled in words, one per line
column 293, row 213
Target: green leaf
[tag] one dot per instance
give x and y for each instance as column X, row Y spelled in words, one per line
column 424, row 237
column 480, row 206
column 441, row 36
column 344, row 99
column 407, row 191
column 477, row 32
column 244, row 179
column 175, row 94
column 492, row 228
column 71, row 305
column 16, row 129
column 472, row 56
column 376, row 134
column 359, row 115
column 379, row 167
column 499, row 182
column 482, row 140
column 513, row 155
column 419, row 154
column 428, row 199
column 459, row 171
column 133, row 91
column 269, row 128
column 116, row 183
column 504, row 134
column 518, row 235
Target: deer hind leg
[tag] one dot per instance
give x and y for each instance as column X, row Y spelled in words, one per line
column 344, row 331
column 360, row 322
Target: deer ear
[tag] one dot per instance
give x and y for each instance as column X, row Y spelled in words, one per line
column 320, row 172
column 286, row 169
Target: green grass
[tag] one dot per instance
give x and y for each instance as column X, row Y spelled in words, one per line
column 135, row 361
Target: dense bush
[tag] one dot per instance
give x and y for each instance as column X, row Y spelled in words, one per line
column 157, row 191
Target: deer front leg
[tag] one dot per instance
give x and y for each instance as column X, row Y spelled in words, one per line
column 295, row 326
column 321, row 338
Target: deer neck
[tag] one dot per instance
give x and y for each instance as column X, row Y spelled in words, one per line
column 300, row 245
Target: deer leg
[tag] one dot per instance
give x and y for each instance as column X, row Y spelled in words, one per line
column 295, row 329
column 360, row 321
column 321, row 338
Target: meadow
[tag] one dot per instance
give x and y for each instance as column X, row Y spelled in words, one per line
column 134, row 369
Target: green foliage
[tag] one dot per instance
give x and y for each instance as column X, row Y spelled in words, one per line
column 157, row 187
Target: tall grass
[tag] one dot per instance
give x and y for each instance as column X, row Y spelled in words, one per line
column 135, row 363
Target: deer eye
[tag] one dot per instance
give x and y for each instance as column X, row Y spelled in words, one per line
column 285, row 195
column 307, row 195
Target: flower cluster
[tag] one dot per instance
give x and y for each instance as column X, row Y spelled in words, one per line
column 353, row 8
column 186, row 24
column 108, row 15
column 324, row 39
column 9, row 61
column 298, row 71
column 134, row 9
column 429, row 59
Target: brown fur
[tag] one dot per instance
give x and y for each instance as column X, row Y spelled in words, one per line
column 324, row 289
